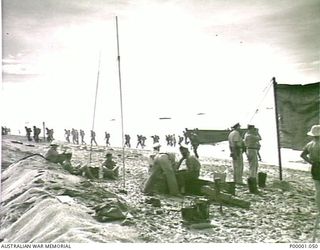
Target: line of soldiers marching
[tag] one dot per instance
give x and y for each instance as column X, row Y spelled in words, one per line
column 72, row 136
column 141, row 139
column 36, row 134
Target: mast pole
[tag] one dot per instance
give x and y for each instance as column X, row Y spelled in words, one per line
column 120, row 87
column 277, row 125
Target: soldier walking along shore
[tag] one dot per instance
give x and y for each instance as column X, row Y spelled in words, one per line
column 107, row 138
column 93, row 137
column 82, row 134
column 67, row 135
column 28, row 133
column 127, row 140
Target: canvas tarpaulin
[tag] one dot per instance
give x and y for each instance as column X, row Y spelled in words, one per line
column 298, row 110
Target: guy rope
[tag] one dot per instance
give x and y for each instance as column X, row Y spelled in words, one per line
column 266, row 90
column 95, row 103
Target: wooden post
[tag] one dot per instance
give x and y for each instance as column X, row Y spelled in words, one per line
column 277, row 124
column 217, row 183
column 44, row 131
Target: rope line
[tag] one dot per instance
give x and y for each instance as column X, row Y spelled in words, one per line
column 266, row 90
column 95, row 104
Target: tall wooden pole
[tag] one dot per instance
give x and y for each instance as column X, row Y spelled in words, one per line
column 277, row 125
column 122, row 130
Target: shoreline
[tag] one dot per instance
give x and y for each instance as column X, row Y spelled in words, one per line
column 219, row 152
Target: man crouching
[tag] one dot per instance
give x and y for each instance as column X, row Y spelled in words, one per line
column 162, row 174
column 54, row 156
column 110, row 169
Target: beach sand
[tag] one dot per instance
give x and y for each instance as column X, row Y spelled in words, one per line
column 41, row 202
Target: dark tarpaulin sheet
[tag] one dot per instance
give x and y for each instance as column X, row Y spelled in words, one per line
column 298, row 110
column 200, row 136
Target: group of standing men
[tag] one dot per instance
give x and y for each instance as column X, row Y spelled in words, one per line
column 250, row 145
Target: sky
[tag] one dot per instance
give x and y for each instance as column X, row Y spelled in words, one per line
column 178, row 59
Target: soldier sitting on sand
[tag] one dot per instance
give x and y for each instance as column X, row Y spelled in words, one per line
column 64, row 159
column 109, row 168
column 85, row 171
column 188, row 169
column 54, row 156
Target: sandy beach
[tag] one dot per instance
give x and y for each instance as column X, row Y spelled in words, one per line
column 42, row 202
